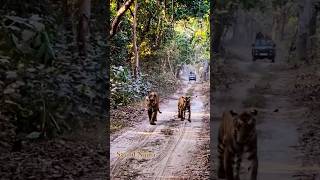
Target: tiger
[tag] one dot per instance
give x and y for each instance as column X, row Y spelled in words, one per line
column 237, row 135
column 152, row 104
column 183, row 106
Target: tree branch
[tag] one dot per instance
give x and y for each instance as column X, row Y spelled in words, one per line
column 120, row 13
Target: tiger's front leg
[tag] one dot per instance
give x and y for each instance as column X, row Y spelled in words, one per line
column 254, row 165
column 238, row 165
column 189, row 118
column 221, row 149
column 253, row 158
column 150, row 115
column 155, row 115
column 228, row 164
column 184, row 114
column 252, row 149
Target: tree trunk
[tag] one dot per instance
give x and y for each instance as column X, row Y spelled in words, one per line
column 235, row 31
column 67, row 23
column 178, row 71
column 312, row 40
column 83, row 26
column 284, row 19
column 303, row 29
column 275, row 24
column 67, row 15
column 217, row 30
column 135, row 46
column 170, row 64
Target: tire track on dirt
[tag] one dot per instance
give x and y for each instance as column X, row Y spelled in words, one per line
column 171, row 162
column 146, row 137
column 170, row 152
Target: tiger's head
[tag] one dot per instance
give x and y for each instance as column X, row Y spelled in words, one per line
column 187, row 101
column 244, row 125
column 152, row 98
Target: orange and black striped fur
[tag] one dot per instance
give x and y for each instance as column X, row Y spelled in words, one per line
column 152, row 103
column 183, row 106
column 237, row 135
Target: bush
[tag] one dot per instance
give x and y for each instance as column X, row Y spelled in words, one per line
column 124, row 88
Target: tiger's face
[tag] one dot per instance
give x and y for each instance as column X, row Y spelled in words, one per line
column 187, row 101
column 244, row 125
column 152, row 98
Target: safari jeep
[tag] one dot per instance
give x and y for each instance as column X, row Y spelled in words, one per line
column 263, row 48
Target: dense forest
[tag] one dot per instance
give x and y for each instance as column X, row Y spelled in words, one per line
column 53, row 89
column 152, row 42
column 156, row 45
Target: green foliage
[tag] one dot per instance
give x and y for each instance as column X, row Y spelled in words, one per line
column 26, row 38
column 124, row 88
column 44, row 87
column 168, row 37
column 191, row 8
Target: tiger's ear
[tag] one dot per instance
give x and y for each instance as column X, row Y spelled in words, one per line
column 233, row 113
column 254, row 112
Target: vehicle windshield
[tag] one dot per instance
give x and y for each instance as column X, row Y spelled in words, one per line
column 263, row 42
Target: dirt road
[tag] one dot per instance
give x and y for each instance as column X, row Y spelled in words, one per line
column 263, row 85
column 160, row 151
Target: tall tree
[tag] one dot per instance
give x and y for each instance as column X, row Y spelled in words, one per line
column 305, row 15
column 83, row 26
column 135, row 46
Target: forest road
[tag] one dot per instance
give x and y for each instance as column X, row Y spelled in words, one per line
column 264, row 87
column 159, row 151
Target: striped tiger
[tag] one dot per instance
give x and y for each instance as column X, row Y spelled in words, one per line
column 183, row 106
column 152, row 102
column 237, row 135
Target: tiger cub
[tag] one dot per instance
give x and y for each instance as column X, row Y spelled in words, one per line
column 237, row 135
column 183, row 106
column 152, row 103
